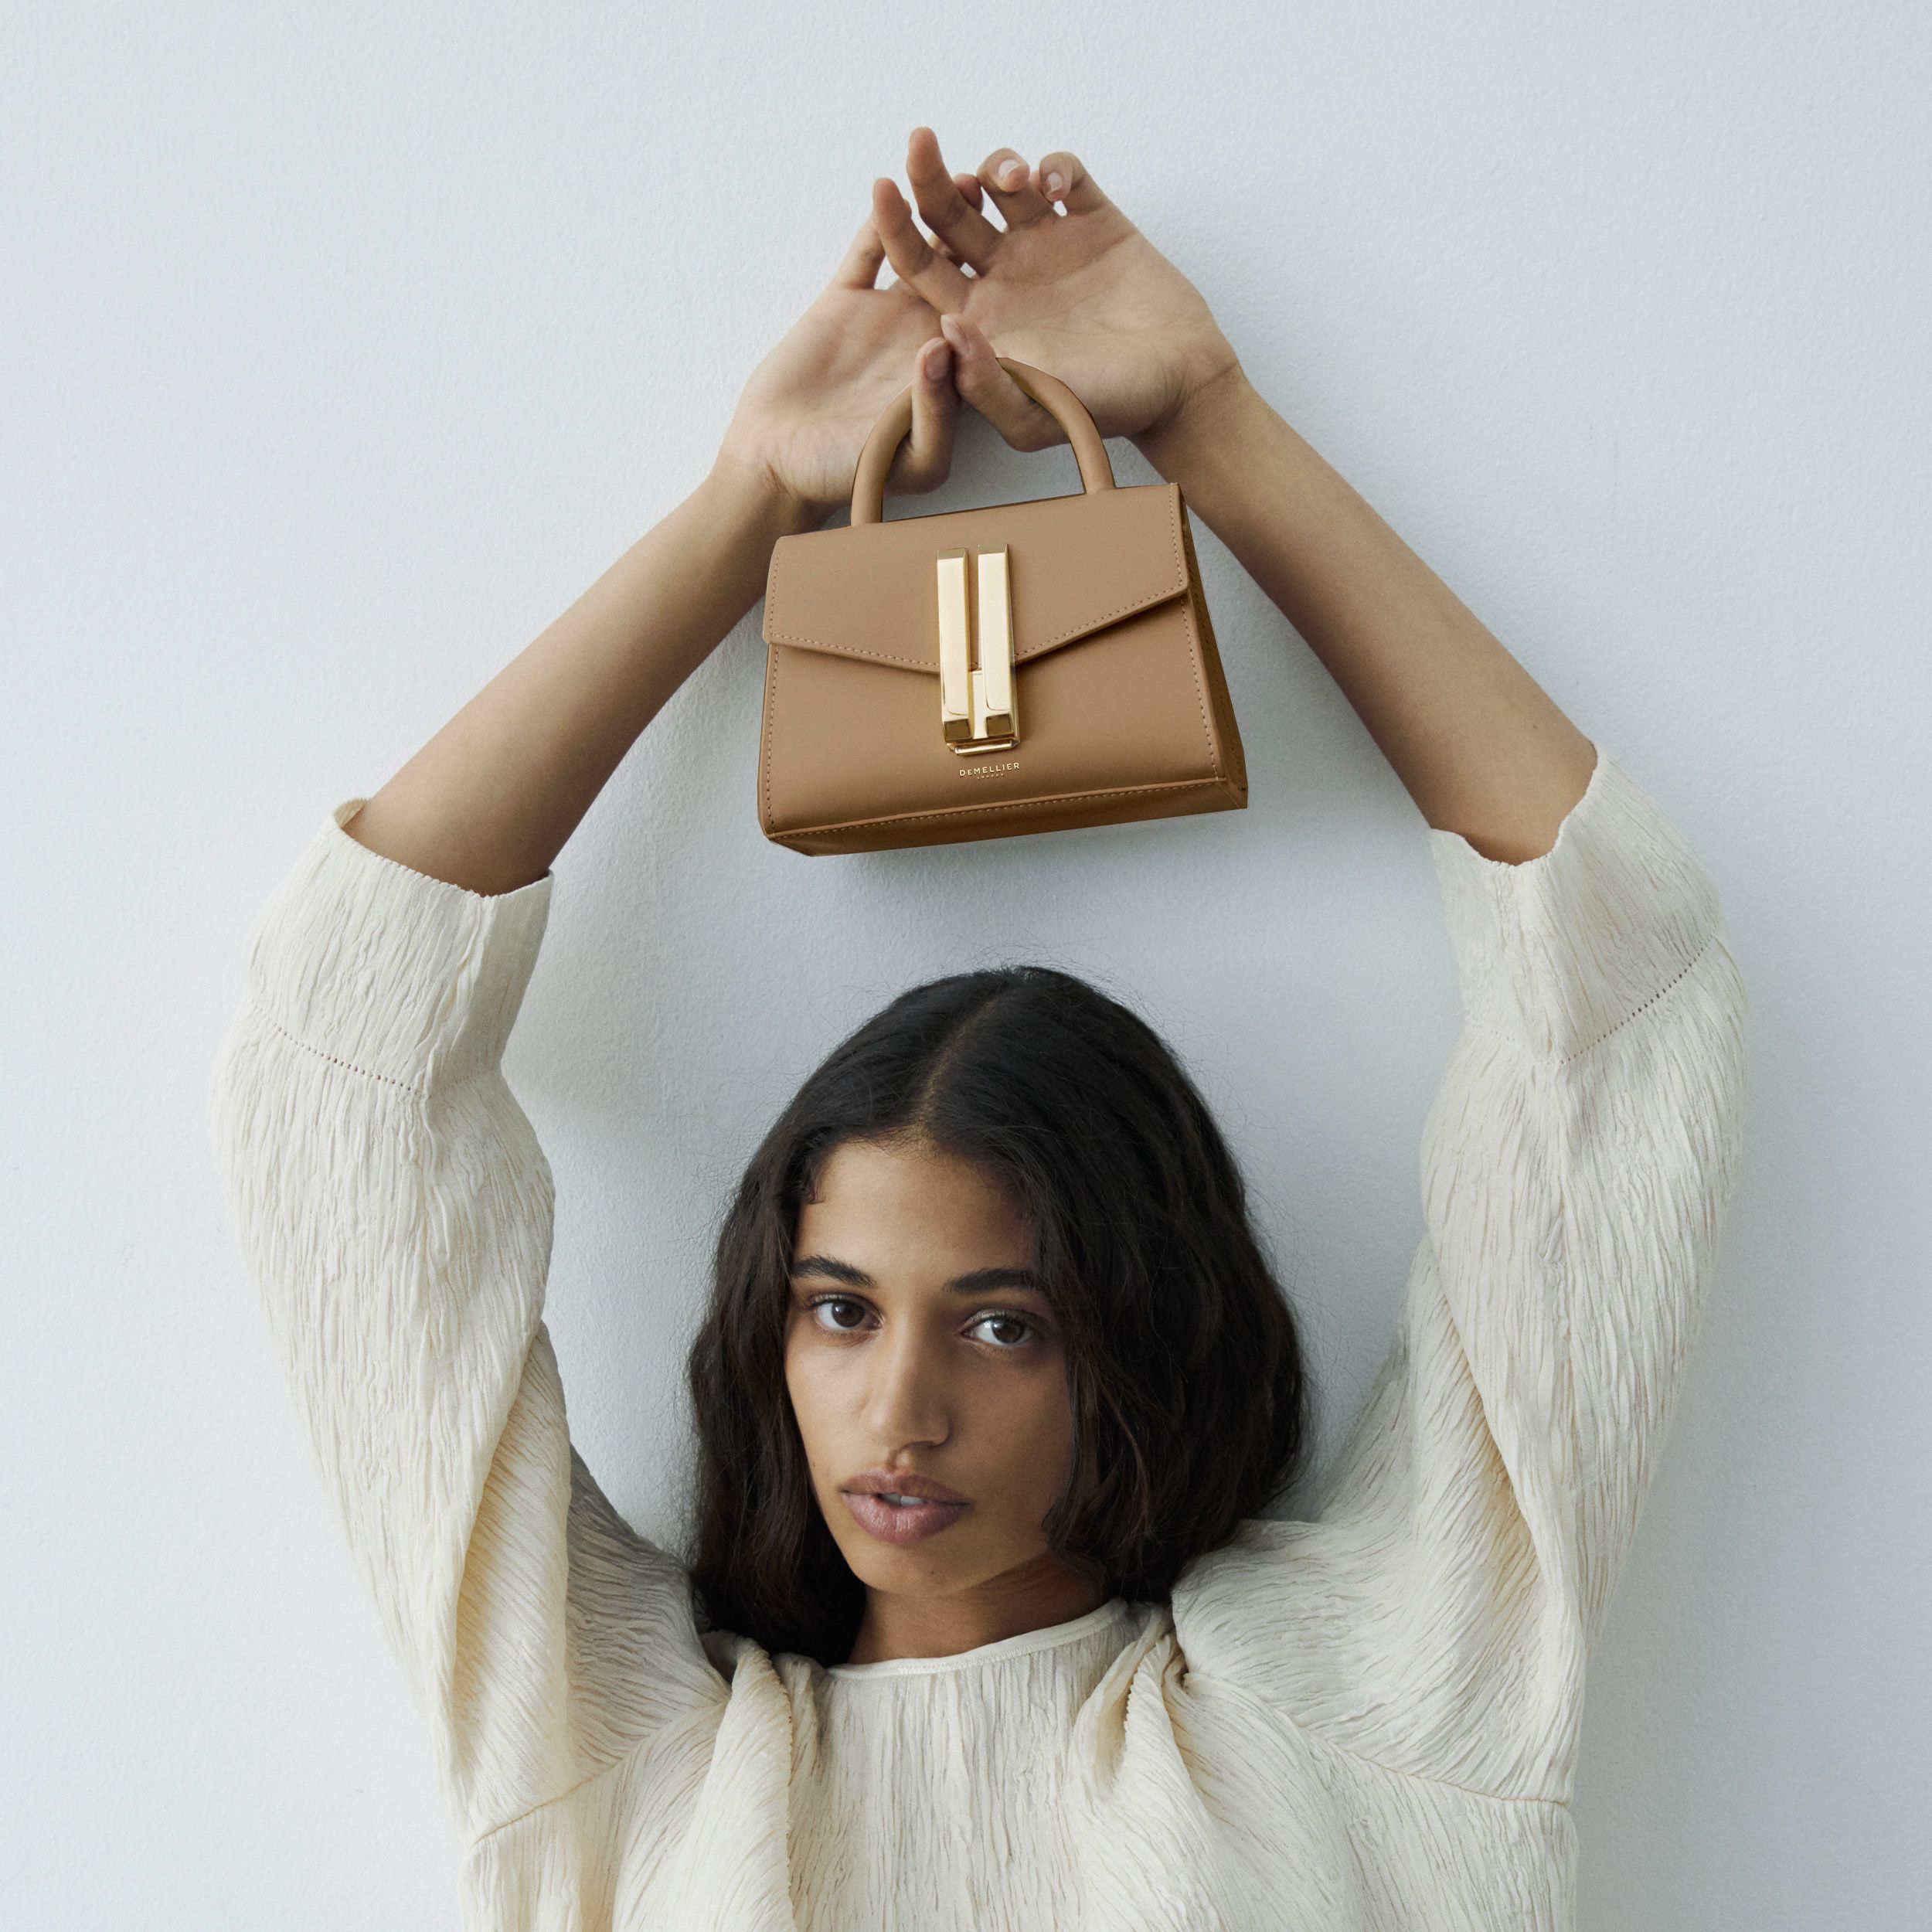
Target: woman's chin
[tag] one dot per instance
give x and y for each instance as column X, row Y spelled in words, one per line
column 934, row 1565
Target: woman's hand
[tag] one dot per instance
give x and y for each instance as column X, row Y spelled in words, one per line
column 807, row 409
column 1084, row 295
column 487, row 803
column 1480, row 746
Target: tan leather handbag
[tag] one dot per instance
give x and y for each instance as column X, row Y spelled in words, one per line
column 1028, row 666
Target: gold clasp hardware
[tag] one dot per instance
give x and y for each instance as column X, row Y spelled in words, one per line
column 977, row 709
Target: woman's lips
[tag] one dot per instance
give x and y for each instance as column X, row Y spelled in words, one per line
column 892, row 1522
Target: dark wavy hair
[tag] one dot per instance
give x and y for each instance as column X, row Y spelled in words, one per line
column 1190, row 1399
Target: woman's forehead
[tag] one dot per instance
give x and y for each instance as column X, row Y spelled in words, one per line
column 913, row 1209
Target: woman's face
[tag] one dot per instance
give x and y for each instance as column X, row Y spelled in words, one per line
column 915, row 1344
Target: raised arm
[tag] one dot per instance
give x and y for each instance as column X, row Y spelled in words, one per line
column 1437, row 1614
column 1481, row 748
column 488, row 802
column 390, row 1197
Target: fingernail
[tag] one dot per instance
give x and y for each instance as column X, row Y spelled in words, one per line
column 937, row 355
column 1012, row 171
column 1055, row 182
column 954, row 334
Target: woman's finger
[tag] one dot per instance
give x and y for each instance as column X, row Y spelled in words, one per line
column 940, row 284
column 1007, row 181
column 981, row 382
column 1060, row 177
column 968, row 235
column 860, row 268
column 925, row 459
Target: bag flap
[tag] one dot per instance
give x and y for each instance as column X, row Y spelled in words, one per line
column 1075, row 563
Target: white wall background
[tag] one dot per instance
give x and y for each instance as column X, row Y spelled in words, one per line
column 345, row 345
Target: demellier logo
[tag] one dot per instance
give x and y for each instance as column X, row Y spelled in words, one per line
column 979, row 771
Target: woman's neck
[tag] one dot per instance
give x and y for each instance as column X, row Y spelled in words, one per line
column 1045, row 1591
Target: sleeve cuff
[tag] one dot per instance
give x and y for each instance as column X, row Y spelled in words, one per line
column 407, row 978
column 1561, row 950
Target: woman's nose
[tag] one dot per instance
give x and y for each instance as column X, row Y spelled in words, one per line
column 905, row 1397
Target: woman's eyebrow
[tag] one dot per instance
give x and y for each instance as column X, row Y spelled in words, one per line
column 978, row 1282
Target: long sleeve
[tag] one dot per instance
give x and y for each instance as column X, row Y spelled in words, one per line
column 395, row 1209
column 1437, row 1614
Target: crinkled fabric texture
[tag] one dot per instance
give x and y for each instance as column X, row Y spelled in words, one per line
column 1364, row 1720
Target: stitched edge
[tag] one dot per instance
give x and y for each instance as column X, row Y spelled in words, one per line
column 1019, row 657
column 774, row 636
column 1210, row 647
column 1188, row 580
column 1670, row 985
column 770, row 727
column 1008, row 804
column 419, row 879
column 422, row 1091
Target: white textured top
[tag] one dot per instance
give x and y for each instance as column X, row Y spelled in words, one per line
column 1365, row 1719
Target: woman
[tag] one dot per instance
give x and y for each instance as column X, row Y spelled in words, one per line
column 1061, row 1673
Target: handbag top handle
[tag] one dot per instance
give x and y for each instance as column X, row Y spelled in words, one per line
column 1060, row 402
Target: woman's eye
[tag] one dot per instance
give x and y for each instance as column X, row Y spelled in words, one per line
column 1007, row 1321
column 839, row 1301
column 840, row 1314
